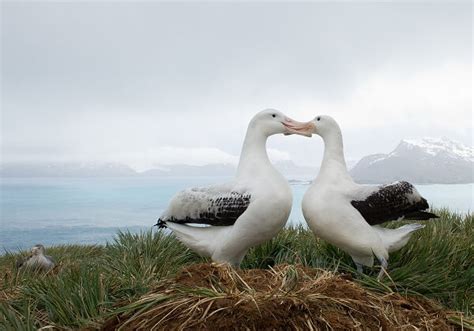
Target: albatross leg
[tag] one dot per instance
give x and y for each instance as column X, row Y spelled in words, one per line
column 383, row 269
column 360, row 268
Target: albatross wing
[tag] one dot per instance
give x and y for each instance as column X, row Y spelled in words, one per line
column 214, row 205
column 391, row 202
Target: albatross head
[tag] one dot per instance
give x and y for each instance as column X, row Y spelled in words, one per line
column 322, row 125
column 271, row 121
column 37, row 249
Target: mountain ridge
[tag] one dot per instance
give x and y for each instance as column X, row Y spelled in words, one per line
column 111, row 169
column 422, row 161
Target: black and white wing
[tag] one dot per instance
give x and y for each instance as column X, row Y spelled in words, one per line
column 20, row 262
column 214, row 205
column 50, row 260
column 391, row 202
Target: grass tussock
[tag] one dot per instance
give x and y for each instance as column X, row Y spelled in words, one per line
column 217, row 297
column 150, row 279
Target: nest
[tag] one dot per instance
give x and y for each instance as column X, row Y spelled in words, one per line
column 288, row 297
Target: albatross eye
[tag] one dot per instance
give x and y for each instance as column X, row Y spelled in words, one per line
column 318, row 118
column 273, row 115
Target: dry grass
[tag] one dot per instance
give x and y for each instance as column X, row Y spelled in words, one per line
column 217, row 297
column 293, row 281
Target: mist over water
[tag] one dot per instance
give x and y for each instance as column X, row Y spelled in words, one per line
column 55, row 211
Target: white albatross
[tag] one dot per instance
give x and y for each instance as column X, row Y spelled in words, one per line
column 37, row 260
column 347, row 214
column 242, row 213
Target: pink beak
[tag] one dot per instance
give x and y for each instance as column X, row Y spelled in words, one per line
column 295, row 127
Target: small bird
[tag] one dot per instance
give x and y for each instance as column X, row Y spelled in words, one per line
column 37, row 260
column 242, row 213
column 348, row 215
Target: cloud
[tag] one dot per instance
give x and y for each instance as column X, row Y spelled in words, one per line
column 276, row 155
column 160, row 82
column 400, row 96
column 170, row 155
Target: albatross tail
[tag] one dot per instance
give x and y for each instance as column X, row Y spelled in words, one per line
column 200, row 239
column 420, row 216
column 394, row 239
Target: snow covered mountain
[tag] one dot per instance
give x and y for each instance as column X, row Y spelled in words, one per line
column 287, row 168
column 423, row 161
column 94, row 169
column 66, row 169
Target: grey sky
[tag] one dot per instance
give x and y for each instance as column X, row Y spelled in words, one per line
column 148, row 83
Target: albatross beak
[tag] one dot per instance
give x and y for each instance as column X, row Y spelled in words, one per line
column 301, row 128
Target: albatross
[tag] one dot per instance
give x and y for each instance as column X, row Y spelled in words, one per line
column 250, row 209
column 348, row 215
column 37, row 260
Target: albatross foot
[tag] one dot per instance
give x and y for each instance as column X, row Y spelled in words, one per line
column 383, row 269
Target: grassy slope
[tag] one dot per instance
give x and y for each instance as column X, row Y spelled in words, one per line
column 92, row 283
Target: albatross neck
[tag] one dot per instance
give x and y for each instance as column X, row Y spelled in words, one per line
column 334, row 163
column 253, row 157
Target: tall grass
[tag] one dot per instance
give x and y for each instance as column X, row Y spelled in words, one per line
column 438, row 261
column 92, row 283
column 134, row 262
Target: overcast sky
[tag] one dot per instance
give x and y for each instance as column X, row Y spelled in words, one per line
column 155, row 83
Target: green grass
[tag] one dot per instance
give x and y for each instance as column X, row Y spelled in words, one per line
column 92, row 283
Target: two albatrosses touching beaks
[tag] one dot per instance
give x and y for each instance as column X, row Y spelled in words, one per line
column 37, row 260
column 240, row 214
column 348, row 215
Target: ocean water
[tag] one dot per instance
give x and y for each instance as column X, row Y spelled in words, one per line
column 91, row 210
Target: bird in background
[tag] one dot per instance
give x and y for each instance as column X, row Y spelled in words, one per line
column 348, row 215
column 242, row 213
column 37, row 260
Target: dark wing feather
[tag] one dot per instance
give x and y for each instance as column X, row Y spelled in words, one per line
column 20, row 262
column 51, row 259
column 220, row 210
column 390, row 202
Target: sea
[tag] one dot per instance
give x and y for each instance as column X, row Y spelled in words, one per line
column 54, row 211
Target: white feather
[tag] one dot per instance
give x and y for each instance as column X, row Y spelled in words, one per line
column 266, row 214
column 330, row 214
